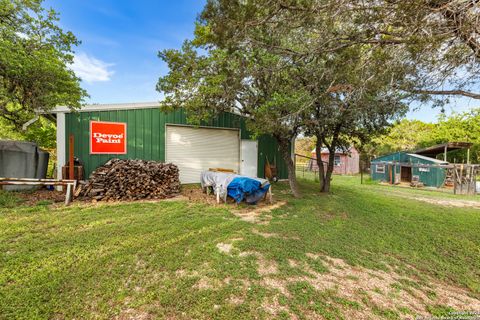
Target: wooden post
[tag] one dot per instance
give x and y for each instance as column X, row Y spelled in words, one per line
column 68, row 196
column 390, row 173
column 71, row 167
column 454, row 180
column 394, row 173
column 468, row 156
column 461, row 179
column 361, row 172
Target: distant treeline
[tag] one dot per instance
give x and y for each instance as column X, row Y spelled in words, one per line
column 415, row 134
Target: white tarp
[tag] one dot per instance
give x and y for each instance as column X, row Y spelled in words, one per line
column 220, row 181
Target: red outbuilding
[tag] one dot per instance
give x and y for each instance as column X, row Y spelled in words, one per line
column 345, row 162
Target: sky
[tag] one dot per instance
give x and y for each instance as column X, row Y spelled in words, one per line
column 117, row 59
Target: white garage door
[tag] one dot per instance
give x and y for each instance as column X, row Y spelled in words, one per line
column 196, row 149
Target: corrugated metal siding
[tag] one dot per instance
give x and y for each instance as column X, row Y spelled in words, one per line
column 146, row 135
column 434, row 178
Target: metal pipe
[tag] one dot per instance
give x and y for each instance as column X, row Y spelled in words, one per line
column 29, row 122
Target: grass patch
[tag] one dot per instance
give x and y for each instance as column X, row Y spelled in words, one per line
column 9, row 199
column 161, row 260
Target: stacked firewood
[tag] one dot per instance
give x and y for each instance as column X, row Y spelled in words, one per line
column 131, row 180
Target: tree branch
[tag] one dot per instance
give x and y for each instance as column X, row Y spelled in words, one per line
column 449, row 93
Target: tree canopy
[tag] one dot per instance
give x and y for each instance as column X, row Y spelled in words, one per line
column 440, row 37
column 341, row 70
column 408, row 135
column 34, row 62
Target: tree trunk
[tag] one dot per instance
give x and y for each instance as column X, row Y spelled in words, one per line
column 328, row 174
column 285, row 150
column 321, row 169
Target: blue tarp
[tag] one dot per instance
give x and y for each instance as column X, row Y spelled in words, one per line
column 248, row 188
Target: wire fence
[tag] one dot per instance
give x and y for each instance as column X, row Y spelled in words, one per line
column 304, row 171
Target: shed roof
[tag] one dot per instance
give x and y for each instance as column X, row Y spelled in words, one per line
column 110, row 106
column 400, row 157
column 433, row 160
column 440, row 148
column 119, row 106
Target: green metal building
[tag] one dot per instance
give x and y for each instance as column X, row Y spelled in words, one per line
column 151, row 134
column 407, row 167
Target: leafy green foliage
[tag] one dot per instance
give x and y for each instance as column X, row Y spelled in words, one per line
column 438, row 38
column 34, row 64
column 250, row 82
column 42, row 132
column 304, row 147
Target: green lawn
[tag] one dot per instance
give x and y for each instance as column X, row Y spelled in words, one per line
column 363, row 251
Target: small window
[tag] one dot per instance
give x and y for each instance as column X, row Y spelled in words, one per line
column 337, row 162
column 380, row 168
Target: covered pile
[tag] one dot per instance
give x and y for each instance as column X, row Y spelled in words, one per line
column 132, row 180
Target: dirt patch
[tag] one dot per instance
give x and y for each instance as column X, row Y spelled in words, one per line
column 132, row 314
column 235, row 300
column 273, row 235
column 274, row 308
column 265, row 266
column 293, row 263
column 446, row 202
column 227, row 247
column 376, row 289
column 196, row 194
column 450, row 202
column 256, row 214
column 57, row 198
column 41, row 195
column 265, row 234
column 203, row 284
column 224, row 247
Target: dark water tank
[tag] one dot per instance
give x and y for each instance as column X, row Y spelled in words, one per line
column 20, row 159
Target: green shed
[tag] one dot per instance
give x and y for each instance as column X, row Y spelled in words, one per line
column 408, row 167
column 143, row 131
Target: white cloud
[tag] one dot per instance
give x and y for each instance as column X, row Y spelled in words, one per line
column 90, row 69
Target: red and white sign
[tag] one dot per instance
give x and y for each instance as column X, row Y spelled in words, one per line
column 108, row 137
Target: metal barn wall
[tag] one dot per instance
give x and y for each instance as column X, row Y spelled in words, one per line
column 398, row 157
column 433, row 178
column 146, row 135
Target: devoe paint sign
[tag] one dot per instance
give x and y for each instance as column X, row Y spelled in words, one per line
column 108, row 137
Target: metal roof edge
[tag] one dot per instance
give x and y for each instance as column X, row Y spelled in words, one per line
column 386, row 155
column 108, row 107
column 419, row 156
column 455, row 145
column 120, row 106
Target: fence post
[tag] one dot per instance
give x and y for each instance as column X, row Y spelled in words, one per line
column 361, row 172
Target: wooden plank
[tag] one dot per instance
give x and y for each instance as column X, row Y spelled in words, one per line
column 37, row 180
column 71, row 169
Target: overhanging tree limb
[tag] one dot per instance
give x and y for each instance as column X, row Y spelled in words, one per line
column 449, row 93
